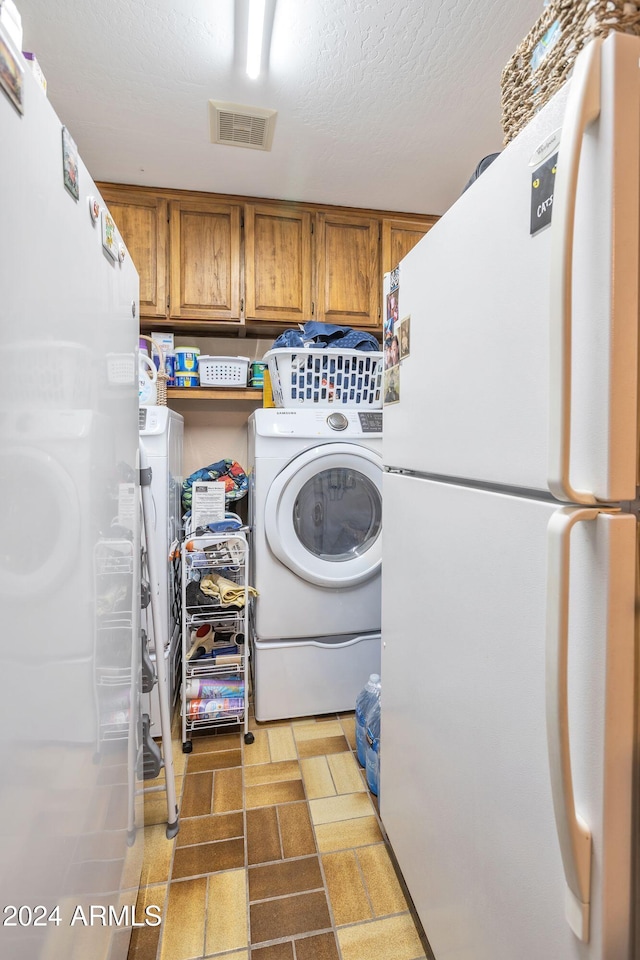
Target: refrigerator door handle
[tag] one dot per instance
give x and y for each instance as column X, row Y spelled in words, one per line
column 574, row 835
column 583, row 107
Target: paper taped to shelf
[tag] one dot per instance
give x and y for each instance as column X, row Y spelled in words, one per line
column 208, row 504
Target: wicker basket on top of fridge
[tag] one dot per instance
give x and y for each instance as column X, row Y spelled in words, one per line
column 543, row 60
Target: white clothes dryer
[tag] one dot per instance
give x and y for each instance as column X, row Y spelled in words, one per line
column 315, row 508
column 161, row 435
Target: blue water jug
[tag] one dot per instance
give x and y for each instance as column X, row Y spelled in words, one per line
column 369, row 695
column 373, row 748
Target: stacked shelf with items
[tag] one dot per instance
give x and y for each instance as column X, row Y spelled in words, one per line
column 215, row 597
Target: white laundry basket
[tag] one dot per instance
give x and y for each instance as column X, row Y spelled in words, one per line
column 325, row 377
column 223, row 371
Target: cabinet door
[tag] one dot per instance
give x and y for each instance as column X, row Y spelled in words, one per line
column 142, row 222
column 399, row 236
column 205, row 260
column 347, row 270
column 277, row 263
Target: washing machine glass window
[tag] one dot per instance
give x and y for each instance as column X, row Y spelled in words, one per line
column 338, row 514
column 323, row 515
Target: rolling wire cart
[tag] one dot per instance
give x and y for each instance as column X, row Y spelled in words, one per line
column 215, row 609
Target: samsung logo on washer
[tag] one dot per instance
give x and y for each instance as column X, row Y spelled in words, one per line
column 286, row 413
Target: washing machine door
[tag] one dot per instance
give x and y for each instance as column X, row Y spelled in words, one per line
column 323, row 515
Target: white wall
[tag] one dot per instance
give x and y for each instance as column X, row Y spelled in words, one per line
column 214, row 429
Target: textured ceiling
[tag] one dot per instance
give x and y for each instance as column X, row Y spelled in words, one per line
column 386, row 104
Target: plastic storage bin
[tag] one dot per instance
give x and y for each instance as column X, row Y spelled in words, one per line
column 341, row 378
column 223, row 371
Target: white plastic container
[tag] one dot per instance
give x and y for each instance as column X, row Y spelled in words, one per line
column 223, row 371
column 326, row 377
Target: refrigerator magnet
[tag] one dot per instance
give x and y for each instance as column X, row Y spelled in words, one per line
column 542, row 187
column 392, row 313
column 94, row 208
column 11, row 75
column 404, row 337
column 391, row 352
column 109, row 234
column 70, row 164
column 121, row 252
column 392, row 385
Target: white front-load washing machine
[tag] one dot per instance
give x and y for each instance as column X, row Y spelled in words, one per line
column 316, row 516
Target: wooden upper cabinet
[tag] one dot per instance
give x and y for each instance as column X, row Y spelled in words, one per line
column 291, row 263
column 205, row 260
column 277, row 263
column 142, row 222
column 399, row 236
column 347, row 270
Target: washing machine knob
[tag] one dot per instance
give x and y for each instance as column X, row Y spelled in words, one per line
column 337, row 421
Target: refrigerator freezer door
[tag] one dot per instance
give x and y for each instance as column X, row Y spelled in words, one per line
column 479, row 392
column 466, row 778
column 70, row 651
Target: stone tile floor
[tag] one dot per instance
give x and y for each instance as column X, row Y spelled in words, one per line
column 280, row 853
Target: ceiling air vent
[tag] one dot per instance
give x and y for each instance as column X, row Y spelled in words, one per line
column 240, row 126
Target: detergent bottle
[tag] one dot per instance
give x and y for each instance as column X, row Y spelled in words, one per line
column 147, row 378
column 372, row 741
column 365, row 700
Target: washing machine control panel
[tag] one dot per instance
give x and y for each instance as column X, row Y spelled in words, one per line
column 337, row 421
column 371, row 422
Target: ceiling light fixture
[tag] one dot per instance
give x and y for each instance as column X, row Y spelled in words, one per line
column 255, row 37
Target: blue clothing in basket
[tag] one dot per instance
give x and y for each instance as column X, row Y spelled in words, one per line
column 321, row 335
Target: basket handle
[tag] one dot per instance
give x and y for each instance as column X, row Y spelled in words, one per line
column 155, row 343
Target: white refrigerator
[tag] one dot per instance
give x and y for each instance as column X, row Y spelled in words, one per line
column 510, row 543
column 71, row 814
